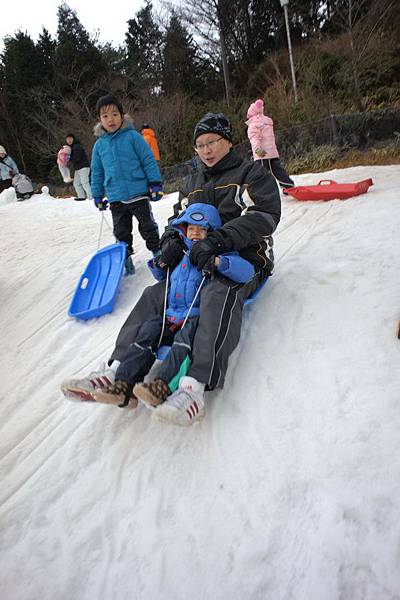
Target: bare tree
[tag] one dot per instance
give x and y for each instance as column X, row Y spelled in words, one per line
column 363, row 21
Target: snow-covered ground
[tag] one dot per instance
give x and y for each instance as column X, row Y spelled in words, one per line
column 288, row 490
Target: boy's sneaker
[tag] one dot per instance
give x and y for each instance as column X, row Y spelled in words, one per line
column 118, row 393
column 129, row 266
column 185, row 406
column 152, row 393
column 82, row 389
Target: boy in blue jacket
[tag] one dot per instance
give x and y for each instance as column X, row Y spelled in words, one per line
column 178, row 325
column 125, row 175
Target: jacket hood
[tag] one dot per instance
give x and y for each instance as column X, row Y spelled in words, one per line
column 257, row 108
column 127, row 123
column 204, row 215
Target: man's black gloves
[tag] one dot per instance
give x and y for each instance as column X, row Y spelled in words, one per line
column 172, row 249
column 216, row 243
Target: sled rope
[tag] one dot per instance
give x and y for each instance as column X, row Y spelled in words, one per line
column 194, row 300
column 103, row 220
column 164, row 309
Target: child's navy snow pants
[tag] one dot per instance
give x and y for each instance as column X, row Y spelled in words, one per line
column 141, row 354
column 217, row 333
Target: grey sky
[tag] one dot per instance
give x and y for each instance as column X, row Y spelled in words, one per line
column 106, row 16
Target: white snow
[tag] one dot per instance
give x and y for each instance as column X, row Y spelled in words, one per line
column 288, row 490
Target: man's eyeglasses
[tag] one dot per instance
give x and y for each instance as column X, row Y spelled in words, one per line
column 201, row 147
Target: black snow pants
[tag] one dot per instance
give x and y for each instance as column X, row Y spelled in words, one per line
column 122, row 215
column 141, row 354
column 218, row 329
column 275, row 166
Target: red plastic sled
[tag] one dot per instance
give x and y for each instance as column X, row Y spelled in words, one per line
column 329, row 190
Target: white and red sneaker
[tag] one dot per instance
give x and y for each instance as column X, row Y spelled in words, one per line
column 83, row 389
column 185, row 406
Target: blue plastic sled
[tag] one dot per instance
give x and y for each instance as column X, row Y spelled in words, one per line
column 97, row 289
column 163, row 351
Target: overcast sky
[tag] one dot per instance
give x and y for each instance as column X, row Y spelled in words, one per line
column 31, row 15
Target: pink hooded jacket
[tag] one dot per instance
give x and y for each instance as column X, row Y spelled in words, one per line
column 261, row 132
column 63, row 156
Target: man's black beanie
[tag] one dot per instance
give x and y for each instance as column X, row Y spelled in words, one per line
column 213, row 123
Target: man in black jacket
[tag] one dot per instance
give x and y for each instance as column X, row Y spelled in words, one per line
column 248, row 200
column 80, row 162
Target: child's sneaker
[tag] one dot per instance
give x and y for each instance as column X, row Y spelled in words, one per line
column 185, row 406
column 129, row 266
column 152, row 393
column 118, row 393
column 82, row 389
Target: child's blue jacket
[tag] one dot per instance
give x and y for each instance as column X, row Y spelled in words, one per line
column 185, row 279
column 122, row 165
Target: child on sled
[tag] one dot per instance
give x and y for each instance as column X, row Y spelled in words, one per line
column 177, row 326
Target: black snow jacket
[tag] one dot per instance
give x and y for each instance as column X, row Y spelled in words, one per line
column 78, row 156
column 248, row 201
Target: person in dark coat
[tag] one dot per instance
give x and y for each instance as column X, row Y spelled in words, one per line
column 248, row 201
column 80, row 162
column 178, row 325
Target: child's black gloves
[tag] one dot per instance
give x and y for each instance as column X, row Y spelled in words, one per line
column 155, row 191
column 216, row 243
column 171, row 249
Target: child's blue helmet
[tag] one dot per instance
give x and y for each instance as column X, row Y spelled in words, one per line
column 204, row 215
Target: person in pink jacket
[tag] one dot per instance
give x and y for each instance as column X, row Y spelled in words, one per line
column 63, row 156
column 262, row 139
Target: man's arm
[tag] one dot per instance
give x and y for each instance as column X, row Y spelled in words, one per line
column 261, row 214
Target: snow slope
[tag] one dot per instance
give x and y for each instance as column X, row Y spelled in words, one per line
column 289, row 489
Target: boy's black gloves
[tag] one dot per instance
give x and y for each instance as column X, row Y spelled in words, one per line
column 171, row 248
column 216, row 243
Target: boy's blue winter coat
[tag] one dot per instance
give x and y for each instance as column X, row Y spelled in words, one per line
column 123, row 165
column 185, row 279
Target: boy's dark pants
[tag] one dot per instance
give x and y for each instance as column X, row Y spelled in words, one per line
column 217, row 333
column 141, row 354
column 122, row 215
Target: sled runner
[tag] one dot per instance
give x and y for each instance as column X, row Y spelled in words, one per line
column 328, row 190
column 97, row 288
column 162, row 351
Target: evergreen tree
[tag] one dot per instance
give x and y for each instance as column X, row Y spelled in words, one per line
column 78, row 61
column 22, row 69
column 183, row 69
column 46, row 48
column 143, row 51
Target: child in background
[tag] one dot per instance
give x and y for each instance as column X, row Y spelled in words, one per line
column 79, row 160
column 150, row 136
column 63, row 156
column 125, row 174
column 262, row 139
column 8, row 168
column 181, row 317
